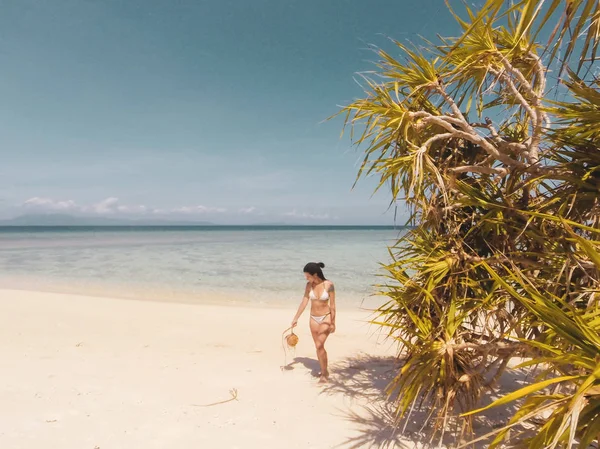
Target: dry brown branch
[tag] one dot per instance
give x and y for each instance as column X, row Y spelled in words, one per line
column 503, row 75
column 473, row 137
column 535, row 108
column 234, row 394
column 501, row 369
column 493, row 348
column 435, row 138
column 447, row 118
column 455, row 109
column 512, row 146
column 480, row 169
column 519, row 75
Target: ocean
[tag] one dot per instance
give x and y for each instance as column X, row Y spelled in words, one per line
column 206, row 264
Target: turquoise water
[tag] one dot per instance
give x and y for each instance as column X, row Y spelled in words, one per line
column 260, row 265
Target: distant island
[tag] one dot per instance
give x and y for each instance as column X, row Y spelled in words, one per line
column 66, row 220
column 72, row 220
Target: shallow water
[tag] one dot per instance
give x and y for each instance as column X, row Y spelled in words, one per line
column 205, row 264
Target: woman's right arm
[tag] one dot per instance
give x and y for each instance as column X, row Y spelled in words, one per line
column 301, row 307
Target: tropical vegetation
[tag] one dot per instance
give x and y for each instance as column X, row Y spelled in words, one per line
column 492, row 140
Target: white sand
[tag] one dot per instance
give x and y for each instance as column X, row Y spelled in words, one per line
column 83, row 373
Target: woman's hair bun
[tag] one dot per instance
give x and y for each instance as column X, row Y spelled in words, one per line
column 321, row 264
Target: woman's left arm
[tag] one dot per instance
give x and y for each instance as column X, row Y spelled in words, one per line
column 331, row 291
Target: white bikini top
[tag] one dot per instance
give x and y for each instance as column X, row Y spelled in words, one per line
column 324, row 295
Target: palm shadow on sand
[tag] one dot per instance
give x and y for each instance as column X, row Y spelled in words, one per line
column 364, row 379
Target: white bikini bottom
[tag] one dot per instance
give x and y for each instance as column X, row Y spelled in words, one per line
column 320, row 319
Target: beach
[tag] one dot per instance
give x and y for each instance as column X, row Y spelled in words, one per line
column 98, row 372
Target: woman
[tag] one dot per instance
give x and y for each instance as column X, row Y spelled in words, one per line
column 321, row 294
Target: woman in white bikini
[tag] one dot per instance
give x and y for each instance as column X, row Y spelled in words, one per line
column 321, row 293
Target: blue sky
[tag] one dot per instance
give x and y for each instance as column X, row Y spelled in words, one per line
column 203, row 110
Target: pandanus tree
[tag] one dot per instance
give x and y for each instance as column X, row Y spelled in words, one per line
column 502, row 180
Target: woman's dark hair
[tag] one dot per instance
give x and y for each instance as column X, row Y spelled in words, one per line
column 313, row 268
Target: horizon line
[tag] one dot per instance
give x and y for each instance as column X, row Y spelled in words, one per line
column 193, row 225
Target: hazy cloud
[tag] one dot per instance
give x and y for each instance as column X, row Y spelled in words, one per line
column 106, row 206
column 199, row 210
column 295, row 214
column 49, row 204
column 111, row 206
column 247, row 210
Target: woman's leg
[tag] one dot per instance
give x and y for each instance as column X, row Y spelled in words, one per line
column 320, row 332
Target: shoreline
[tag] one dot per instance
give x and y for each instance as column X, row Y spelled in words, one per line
column 186, row 299
column 231, row 297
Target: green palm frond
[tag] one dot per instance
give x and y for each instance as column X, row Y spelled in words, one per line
column 503, row 186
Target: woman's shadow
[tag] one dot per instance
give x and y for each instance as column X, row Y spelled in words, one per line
column 310, row 364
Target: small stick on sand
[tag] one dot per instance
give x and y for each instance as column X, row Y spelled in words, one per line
column 233, row 392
